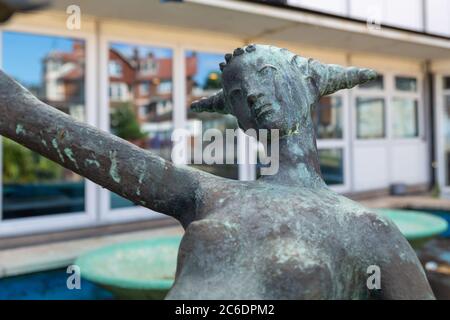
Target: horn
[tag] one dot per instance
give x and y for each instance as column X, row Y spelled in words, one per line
column 331, row 78
column 215, row 103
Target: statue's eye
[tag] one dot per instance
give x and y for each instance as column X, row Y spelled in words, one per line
column 267, row 67
column 235, row 95
column 236, row 91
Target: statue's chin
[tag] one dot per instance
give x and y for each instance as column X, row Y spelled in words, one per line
column 271, row 123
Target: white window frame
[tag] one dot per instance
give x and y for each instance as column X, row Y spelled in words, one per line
column 440, row 95
column 417, row 95
column 246, row 172
column 343, row 143
column 388, row 93
column 106, row 213
column 358, row 92
column 60, row 221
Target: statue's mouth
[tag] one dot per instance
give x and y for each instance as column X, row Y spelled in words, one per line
column 263, row 110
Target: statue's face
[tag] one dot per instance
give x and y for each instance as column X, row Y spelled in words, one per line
column 261, row 89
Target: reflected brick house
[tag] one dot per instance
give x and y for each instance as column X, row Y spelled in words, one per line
column 145, row 81
column 63, row 78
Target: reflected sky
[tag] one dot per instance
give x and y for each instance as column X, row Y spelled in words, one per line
column 207, row 63
column 26, row 65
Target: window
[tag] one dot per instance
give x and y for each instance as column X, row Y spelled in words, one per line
column 165, row 87
column 144, row 120
column 406, row 84
column 332, row 166
column 405, row 108
column 203, row 78
column 115, row 68
column 149, row 65
column 376, row 84
column 328, row 118
column 53, row 69
column 405, row 118
column 370, row 118
column 144, row 88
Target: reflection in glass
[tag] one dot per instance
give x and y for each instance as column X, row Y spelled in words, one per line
column 332, row 166
column 405, row 118
column 370, row 118
column 328, row 118
column 447, row 137
column 203, row 78
column 446, row 83
column 406, row 84
column 52, row 68
column 376, row 84
column 140, row 95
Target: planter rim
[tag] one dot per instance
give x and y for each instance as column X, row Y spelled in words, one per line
column 93, row 274
column 425, row 224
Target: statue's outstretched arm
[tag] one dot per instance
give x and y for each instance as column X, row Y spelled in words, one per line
column 331, row 77
column 107, row 160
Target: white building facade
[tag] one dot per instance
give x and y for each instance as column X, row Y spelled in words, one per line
column 394, row 131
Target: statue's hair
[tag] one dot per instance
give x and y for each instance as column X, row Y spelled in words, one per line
column 249, row 49
column 237, row 52
column 327, row 78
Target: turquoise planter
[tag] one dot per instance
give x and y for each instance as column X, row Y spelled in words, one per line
column 417, row 227
column 133, row 270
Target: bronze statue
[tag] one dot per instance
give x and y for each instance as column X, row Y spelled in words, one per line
column 285, row 236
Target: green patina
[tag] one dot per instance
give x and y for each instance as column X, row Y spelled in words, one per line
column 20, row 129
column 91, row 162
column 141, row 178
column 295, row 130
column 69, row 154
column 55, row 145
column 113, row 172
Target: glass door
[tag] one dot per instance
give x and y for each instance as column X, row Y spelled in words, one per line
column 37, row 194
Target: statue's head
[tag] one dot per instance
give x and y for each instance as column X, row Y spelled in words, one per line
column 266, row 87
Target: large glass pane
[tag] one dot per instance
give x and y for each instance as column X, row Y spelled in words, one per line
column 332, row 166
column 370, row 118
column 406, row 84
column 447, row 137
column 140, row 94
column 203, row 78
column 328, row 118
column 376, row 84
column 53, row 68
column 405, row 118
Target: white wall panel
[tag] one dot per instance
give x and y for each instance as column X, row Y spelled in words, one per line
column 399, row 13
column 437, row 16
column 338, row 7
column 409, row 163
column 370, row 168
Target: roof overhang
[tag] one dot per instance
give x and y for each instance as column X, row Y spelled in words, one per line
column 253, row 22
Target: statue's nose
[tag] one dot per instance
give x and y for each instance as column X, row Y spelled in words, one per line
column 252, row 98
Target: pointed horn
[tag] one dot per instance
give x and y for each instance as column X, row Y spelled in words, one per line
column 331, row 78
column 215, row 103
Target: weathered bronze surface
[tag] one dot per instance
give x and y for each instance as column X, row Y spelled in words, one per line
column 285, row 236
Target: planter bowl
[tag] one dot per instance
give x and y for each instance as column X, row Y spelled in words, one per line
column 133, row 270
column 417, row 227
